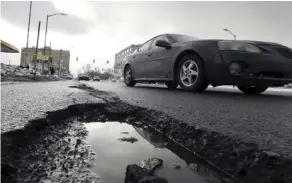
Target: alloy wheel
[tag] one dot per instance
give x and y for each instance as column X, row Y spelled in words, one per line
column 128, row 75
column 189, row 73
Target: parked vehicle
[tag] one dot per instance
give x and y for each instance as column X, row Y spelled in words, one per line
column 194, row 63
column 67, row 76
column 96, row 78
column 83, row 77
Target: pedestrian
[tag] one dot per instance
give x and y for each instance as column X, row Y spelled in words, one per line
column 52, row 70
column 27, row 67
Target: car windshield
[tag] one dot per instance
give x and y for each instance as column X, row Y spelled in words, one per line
column 183, row 38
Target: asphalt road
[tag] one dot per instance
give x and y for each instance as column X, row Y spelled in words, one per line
column 265, row 119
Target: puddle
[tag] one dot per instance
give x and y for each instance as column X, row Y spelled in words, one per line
column 120, row 144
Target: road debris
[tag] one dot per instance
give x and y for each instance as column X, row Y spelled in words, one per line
column 151, row 164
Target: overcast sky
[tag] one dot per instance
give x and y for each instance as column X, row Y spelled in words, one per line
column 98, row 30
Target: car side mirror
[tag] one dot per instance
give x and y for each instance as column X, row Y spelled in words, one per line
column 163, row 44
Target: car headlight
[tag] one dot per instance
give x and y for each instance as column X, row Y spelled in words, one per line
column 238, row 46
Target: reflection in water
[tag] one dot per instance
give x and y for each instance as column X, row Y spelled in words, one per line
column 113, row 155
column 155, row 139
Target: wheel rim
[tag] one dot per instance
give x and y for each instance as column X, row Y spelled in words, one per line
column 128, row 75
column 189, row 73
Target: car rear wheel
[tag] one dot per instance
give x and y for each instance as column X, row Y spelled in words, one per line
column 252, row 90
column 171, row 85
column 128, row 76
column 191, row 74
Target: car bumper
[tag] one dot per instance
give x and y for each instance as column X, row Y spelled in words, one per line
column 258, row 68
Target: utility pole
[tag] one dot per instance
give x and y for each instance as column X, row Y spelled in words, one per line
column 48, row 16
column 28, row 27
column 60, row 62
column 37, row 45
column 46, row 34
column 45, row 44
column 50, row 61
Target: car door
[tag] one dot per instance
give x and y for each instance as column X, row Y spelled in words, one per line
column 139, row 58
column 158, row 60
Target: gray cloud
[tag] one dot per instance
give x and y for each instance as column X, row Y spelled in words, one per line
column 270, row 21
column 16, row 12
column 249, row 20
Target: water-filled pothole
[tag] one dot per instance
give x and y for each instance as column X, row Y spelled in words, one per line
column 119, row 144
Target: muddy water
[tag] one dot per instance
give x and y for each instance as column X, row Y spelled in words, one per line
column 113, row 155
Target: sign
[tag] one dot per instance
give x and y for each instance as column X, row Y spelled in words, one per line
column 40, row 56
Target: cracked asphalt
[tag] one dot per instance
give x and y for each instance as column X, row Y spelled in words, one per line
column 265, row 120
column 24, row 101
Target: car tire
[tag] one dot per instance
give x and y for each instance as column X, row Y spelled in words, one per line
column 129, row 81
column 171, row 85
column 252, row 90
column 190, row 66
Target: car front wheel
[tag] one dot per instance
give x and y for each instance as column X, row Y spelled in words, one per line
column 128, row 76
column 252, row 90
column 191, row 74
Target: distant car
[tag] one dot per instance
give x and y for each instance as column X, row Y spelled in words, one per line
column 96, row 78
column 83, row 77
column 193, row 63
column 67, row 76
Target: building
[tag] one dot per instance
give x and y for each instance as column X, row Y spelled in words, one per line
column 60, row 59
column 87, row 67
column 79, row 71
column 119, row 58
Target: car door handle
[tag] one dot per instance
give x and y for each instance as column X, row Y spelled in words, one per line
column 149, row 54
column 134, row 56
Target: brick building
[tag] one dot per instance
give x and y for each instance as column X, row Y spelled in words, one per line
column 119, row 58
column 60, row 58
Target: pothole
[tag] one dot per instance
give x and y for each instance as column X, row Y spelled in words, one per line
column 118, row 144
column 53, row 149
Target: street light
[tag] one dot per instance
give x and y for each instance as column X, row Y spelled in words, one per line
column 227, row 30
column 63, row 14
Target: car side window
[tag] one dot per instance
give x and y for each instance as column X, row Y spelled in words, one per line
column 153, row 46
column 145, row 46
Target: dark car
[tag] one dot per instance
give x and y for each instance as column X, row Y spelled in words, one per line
column 194, row 63
column 67, row 76
column 83, row 77
column 96, row 78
